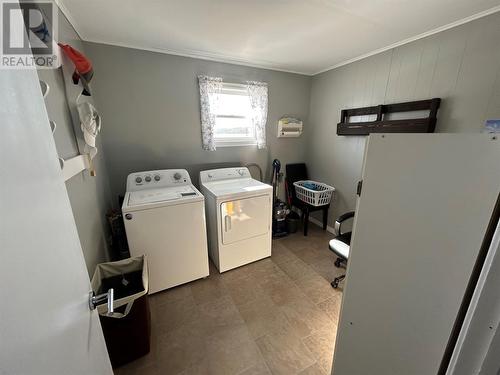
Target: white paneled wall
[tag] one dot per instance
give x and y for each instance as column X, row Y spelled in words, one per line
column 460, row 65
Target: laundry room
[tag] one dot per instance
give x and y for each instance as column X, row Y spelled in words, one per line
column 251, row 188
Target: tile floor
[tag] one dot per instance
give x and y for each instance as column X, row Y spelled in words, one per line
column 275, row 316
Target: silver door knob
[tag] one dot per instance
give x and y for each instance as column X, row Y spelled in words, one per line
column 96, row 300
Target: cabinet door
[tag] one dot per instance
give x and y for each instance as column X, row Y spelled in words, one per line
column 245, row 218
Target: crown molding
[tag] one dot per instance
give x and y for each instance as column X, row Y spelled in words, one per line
column 201, row 55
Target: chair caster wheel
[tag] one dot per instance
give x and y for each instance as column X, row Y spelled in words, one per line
column 335, row 283
column 338, row 263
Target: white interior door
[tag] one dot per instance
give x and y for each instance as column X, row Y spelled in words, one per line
column 46, row 326
column 245, row 218
column 424, row 208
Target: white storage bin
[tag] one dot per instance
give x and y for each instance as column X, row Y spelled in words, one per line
column 319, row 196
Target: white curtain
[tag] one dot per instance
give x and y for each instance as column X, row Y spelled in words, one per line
column 257, row 92
column 210, row 89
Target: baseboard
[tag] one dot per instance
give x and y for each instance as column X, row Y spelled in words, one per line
column 320, row 224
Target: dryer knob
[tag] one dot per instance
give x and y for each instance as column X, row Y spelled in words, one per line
column 128, row 216
column 138, row 179
column 177, row 176
column 148, row 178
column 157, row 178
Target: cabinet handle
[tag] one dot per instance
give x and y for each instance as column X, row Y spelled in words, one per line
column 227, row 223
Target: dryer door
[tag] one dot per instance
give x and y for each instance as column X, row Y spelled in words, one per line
column 245, row 218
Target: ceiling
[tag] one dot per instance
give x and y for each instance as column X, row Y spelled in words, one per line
column 303, row 36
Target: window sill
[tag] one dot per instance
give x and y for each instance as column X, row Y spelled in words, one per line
column 235, row 143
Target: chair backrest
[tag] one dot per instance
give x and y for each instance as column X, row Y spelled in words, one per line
column 294, row 172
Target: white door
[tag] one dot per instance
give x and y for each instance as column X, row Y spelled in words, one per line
column 245, row 218
column 424, row 208
column 46, row 326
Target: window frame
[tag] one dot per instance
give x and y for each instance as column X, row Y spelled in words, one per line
column 235, row 89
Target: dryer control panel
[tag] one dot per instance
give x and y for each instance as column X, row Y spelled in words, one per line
column 224, row 174
column 157, row 179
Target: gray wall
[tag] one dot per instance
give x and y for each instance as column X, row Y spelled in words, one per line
column 461, row 66
column 151, row 118
column 89, row 196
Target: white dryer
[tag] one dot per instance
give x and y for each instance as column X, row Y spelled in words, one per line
column 239, row 213
column 164, row 218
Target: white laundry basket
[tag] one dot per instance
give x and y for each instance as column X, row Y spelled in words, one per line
column 319, row 196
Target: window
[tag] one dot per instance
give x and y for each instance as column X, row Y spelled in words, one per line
column 232, row 114
column 233, row 125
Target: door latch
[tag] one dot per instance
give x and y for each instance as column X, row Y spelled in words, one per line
column 359, row 188
column 97, row 300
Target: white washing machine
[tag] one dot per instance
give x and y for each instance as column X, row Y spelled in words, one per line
column 164, row 217
column 239, row 213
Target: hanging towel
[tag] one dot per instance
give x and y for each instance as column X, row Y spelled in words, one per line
column 83, row 67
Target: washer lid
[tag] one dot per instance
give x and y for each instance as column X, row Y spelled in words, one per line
column 149, row 196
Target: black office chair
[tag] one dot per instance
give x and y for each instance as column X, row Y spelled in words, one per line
column 340, row 245
column 298, row 172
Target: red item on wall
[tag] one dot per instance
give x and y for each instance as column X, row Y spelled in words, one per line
column 83, row 66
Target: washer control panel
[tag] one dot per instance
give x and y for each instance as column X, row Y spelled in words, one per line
column 157, row 179
column 224, row 174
